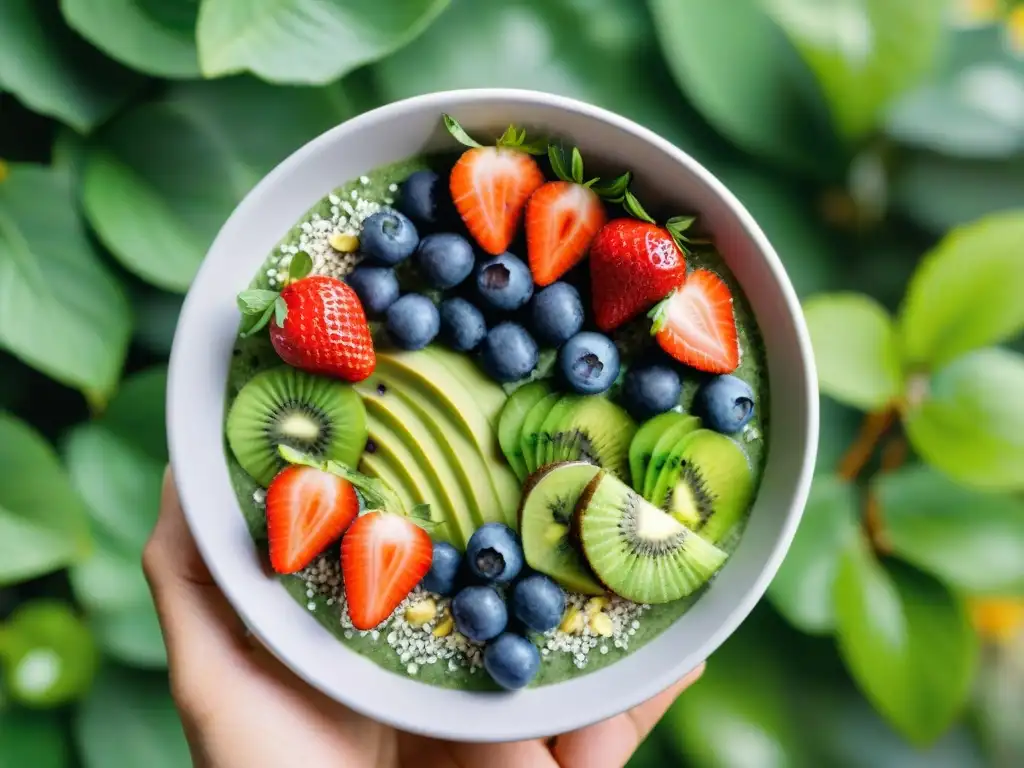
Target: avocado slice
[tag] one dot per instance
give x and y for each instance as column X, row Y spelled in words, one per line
column 467, row 401
column 487, row 393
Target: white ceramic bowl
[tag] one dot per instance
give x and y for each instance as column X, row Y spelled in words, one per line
column 196, row 400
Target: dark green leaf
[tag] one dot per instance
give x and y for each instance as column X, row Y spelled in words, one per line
column 803, row 587
column 972, row 541
column 136, row 415
column 300, row 265
column 907, row 642
column 459, row 133
column 613, row 191
column 305, row 41
column 62, row 312
column 577, row 165
column 43, row 524
column 141, row 205
column 156, row 318
column 855, row 349
column 970, row 424
column 49, row 655
column 54, row 72
column 129, row 721
column 158, row 43
column 967, row 292
column 32, row 739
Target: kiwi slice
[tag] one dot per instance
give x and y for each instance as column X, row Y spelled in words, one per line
column 597, row 431
column 663, row 449
column 510, row 423
column 546, row 448
column 529, row 437
column 642, row 446
column 635, row 549
column 712, row 486
column 322, row 417
column 545, row 514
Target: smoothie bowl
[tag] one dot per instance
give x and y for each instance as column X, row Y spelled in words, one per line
column 492, row 413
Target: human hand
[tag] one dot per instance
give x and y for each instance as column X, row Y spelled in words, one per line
column 242, row 709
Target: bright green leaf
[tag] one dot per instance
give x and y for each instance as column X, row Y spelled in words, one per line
column 55, row 73
column 596, row 52
column 158, row 220
column 907, row 642
column 741, row 72
column 49, row 656
column 305, row 41
column 855, row 349
column 967, row 292
column 970, row 422
column 154, row 36
column 972, row 541
column 864, row 52
column 802, row 589
column 62, row 312
column 43, row 524
column 128, row 721
column 32, row 739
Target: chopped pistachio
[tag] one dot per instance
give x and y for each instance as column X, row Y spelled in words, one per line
column 601, row 625
column 344, row 243
column 444, row 627
column 573, row 621
column 596, row 605
column 420, row 613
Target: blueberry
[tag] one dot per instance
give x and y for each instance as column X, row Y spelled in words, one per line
column 504, row 282
column 512, row 661
column 413, row 321
column 538, row 602
column 557, row 314
column 462, row 324
column 376, row 287
column 388, row 237
column 589, row 362
column 418, row 197
column 725, row 403
column 479, row 613
column 509, row 352
column 494, row 553
column 650, row 390
column 445, row 260
column 444, row 569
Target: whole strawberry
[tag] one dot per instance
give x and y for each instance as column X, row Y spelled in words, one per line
column 317, row 324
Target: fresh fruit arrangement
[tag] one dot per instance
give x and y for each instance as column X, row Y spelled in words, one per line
column 493, row 451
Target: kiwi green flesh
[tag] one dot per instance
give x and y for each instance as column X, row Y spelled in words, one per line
column 713, row 486
column 546, row 448
column 319, row 416
column 597, row 431
column 663, row 449
column 530, row 434
column 510, row 424
column 642, row 445
column 545, row 515
column 638, row 551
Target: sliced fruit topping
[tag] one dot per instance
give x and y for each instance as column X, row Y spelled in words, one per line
column 383, row 557
column 726, row 403
column 491, row 185
column 638, row 551
column 710, row 487
column 545, row 515
column 316, row 324
column 696, row 325
column 661, row 453
column 283, row 406
column 642, row 446
column 510, row 424
column 533, row 424
column 598, row 432
column 550, row 427
column 307, row 511
column 494, row 553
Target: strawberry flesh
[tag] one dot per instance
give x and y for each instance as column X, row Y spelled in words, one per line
column 383, row 557
column 696, row 324
column 307, row 510
column 562, row 219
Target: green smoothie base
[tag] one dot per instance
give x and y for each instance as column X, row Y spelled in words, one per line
column 255, row 354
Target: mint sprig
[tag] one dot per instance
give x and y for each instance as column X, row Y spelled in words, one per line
column 512, row 138
column 573, row 173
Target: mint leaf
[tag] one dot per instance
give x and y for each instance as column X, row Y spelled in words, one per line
column 907, row 642
column 255, row 302
column 802, row 589
column 280, row 312
column 966, row 293
column 300, row 265
column 972, row 541
column 856, row 350
column 421, row 512
column 968, row 419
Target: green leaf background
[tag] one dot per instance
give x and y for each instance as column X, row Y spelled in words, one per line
column 879, row 144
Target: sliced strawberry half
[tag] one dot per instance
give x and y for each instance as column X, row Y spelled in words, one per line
column 491, row 185
column 696, row 325
column 307, row 510
column 383, row 557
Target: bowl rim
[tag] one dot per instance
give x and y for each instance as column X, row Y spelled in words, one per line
column 490, row 724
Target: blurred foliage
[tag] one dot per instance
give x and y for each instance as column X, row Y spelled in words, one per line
column 880, row 143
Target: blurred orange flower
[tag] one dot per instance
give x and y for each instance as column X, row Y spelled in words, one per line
column 999, row 619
